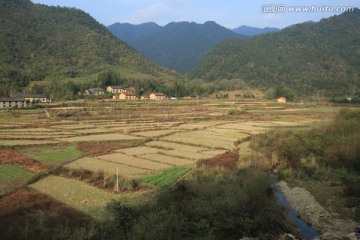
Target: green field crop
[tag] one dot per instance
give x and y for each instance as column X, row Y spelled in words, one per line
column 55, row 156
column 166, row 177
column 12, row 172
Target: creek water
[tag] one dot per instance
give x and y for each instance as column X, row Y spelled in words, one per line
column 305, row 229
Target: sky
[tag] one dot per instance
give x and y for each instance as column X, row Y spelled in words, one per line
column 228, row 13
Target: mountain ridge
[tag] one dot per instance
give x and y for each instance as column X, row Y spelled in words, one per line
column 177, row 45
column 253, row 31
column 43, row 43
column 306, row 58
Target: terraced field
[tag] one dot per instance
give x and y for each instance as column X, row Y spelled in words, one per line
column 11, row 176
column 173, row 137
column 166, row 177
column 81, row 196
column 110, row 168
column 100, row 137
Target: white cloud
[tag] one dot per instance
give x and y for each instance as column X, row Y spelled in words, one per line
column 272, row 17
column 149, row 14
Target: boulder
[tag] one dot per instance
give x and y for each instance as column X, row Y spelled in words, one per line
column 354, row 236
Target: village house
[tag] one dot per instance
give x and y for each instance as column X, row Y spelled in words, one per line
column 157, row 96
column 281, row 100
column 13, row 103
column 95, row 91
column 127, row 96
column 116, row 89
column 33, row 98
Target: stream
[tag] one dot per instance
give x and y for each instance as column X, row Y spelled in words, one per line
column 305, row 229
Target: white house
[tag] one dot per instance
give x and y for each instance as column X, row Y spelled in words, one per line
column 13, row 103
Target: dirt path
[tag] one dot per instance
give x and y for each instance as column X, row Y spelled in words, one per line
column 312, row 212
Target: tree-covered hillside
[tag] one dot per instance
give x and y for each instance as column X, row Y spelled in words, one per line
column 253, row 31
column 38, row 43
column 178, row 45
column 306, row 58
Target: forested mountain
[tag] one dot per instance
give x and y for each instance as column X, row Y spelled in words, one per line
column 252, row 31
column 178, row 45
column 39, row 42
column 306, row 58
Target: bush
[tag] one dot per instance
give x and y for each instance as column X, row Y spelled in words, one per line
column 236, row 112
column 211, row 205
column 66, row 114
column 249, row 95
column 357, row 214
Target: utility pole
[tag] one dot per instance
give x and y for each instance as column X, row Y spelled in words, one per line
column 117, row 179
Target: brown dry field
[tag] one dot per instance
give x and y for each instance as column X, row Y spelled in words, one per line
column 9, row 155
column 28, row 214
column 227, row 160
column 97, row 149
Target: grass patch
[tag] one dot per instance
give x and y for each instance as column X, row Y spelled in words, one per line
column 166, row 177
column 55, row 155
column 70, row 152
column 12, row 172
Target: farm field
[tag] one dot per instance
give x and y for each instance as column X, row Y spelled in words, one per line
column 166, row 177
column 55, row 155
column 100, row 137
column 153, row 143
column 110, row 168
column 170, row 160
column 139, row 151
column 11, row 176
column 209, row 141
column 79, row 195
column 134, row 161
column 11, row 172
column 5, row 142
column 153, row 133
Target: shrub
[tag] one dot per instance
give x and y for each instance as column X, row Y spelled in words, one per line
column 236, row 112
column 249, row 95
column 213, row 204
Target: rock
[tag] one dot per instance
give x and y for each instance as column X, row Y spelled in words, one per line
column 287, row 236
column 357, row 229
column 328, row 237
column 312, row 212
column 354, row 236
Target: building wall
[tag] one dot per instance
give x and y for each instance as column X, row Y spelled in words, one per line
column 43, row 100
column 152, row 96
column 13, row 104
column 115, row 90
column 122, row 96
column 156, row 97
column 281, row 100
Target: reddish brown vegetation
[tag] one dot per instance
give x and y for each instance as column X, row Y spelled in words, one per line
column 97, row 149
column 227, row 160
column 28, row 214
column 100, row 180
column 10, row 156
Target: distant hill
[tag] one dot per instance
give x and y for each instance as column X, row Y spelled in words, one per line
column 253, row 31
column 305, row 58
column 178, row 45
column 39, row 42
